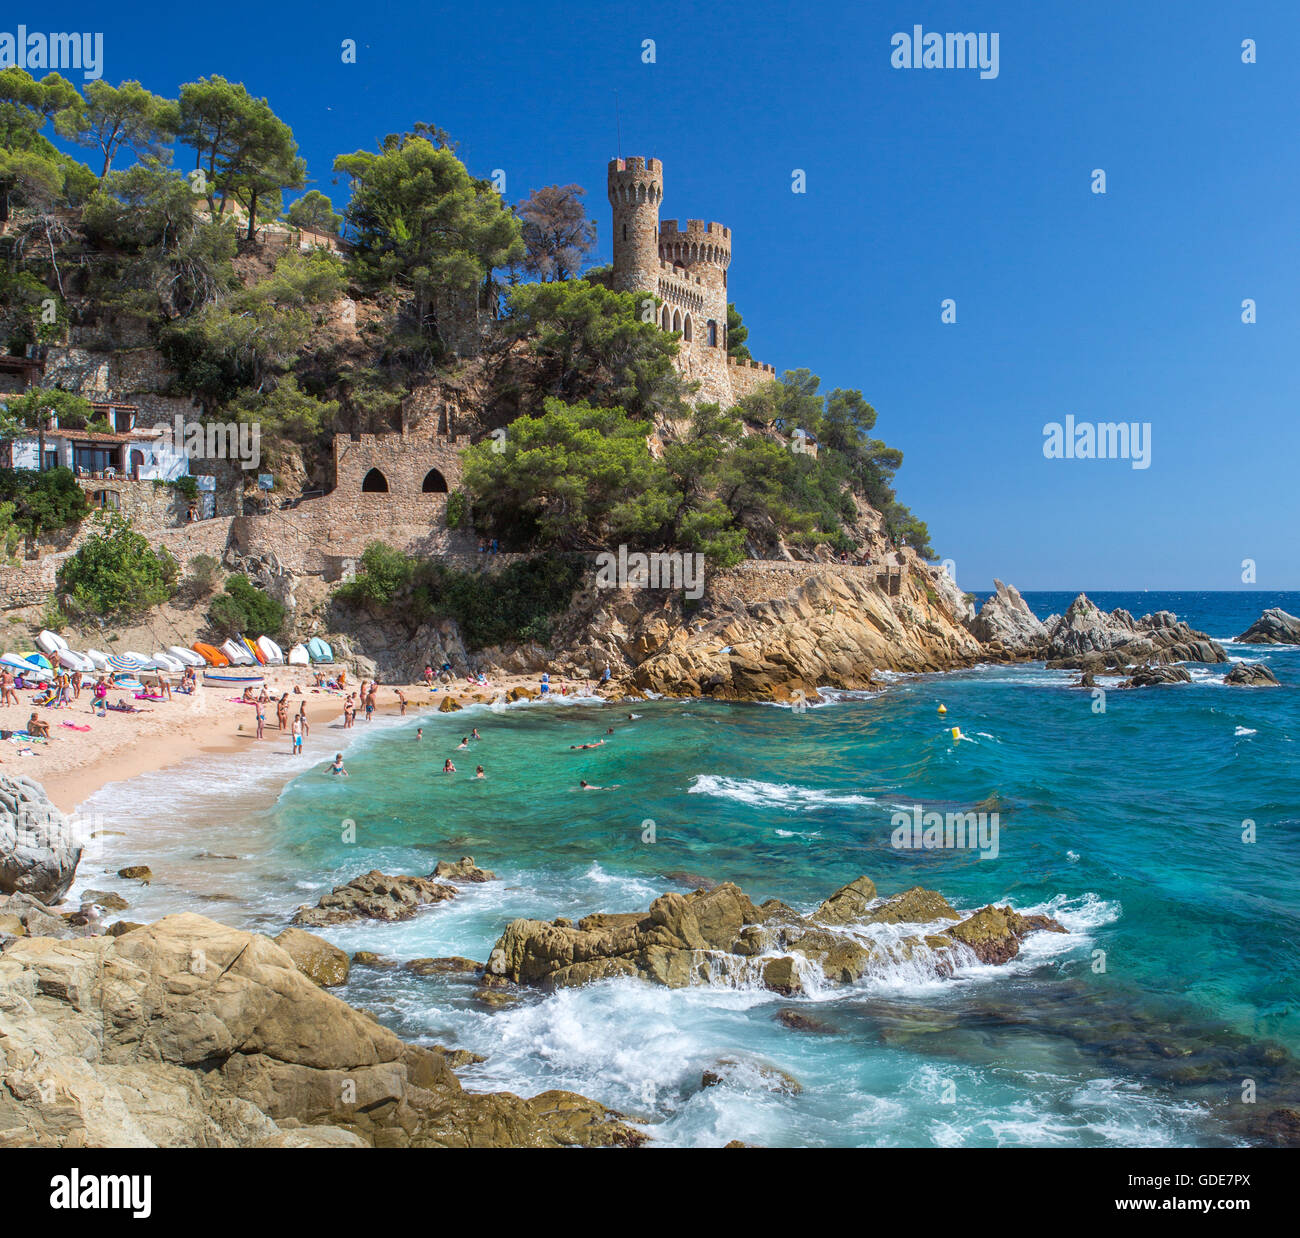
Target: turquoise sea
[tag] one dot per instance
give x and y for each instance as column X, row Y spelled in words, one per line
column 1174, row 990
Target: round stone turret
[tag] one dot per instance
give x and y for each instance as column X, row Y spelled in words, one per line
column 636, row 188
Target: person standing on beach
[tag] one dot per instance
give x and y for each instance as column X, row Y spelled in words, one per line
column 76, row 685
column 282, row 712
column 7, row 694
column 428, row 675
column 401, row 701
column 302, row 720
column 261, row 719
column 297, row 737
column 164, row 686
column 349, row 712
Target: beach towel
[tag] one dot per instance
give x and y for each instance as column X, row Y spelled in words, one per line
column 74, row 726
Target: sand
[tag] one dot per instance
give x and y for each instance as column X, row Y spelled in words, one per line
column 74, row 764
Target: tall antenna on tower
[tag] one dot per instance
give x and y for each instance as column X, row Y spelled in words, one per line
column 618, row 126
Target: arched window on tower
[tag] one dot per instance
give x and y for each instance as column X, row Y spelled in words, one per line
column 686, row 329
column 667, row 319
column 713, row 333
column 434, row 483
column 625, row 232
column 374, row 482
column 677, row 320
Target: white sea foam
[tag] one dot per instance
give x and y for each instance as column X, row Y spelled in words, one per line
column 787, row 795
column 1244, row 730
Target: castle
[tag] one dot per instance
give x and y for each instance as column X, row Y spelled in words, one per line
column 686, row 268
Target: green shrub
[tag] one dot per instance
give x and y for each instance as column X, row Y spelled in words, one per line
column 245, row 608
column 115, row 573
column 202, row 579
column 43, row 502
column 517, row 604
column 456, row 509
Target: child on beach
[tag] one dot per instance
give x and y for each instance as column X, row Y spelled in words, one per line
column 401, row 700
column 297, row 737
column 261, row 719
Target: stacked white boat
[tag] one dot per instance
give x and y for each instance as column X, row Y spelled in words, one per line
column 228, row 663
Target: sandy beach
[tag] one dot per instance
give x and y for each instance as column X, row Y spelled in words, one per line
column 76, row 762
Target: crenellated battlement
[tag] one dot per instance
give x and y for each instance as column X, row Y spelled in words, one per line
column 752, row 365
column 695, row 230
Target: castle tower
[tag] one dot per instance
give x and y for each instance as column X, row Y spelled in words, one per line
column 636, row 187
column 704, row 251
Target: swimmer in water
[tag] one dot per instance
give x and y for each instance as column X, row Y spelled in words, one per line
column 597, row 744
column 478, row 773
column 419, row 732
column 464, row 743
column 474, row 734
column 591, row 786
column 337, row 767
column 448, row 767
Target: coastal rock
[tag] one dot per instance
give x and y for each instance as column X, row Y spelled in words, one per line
column 746, row 1071
column 319, row 960
column 719, row 934
column 462, row 870
column 779, row 632
column 798, row 1021
column 189, row 1033
column 368, row 958
column 450, row 966
column 106, row 899
column 448, row 705
column 32, row 918
column 374, row 896
column 1150, row 676
column 995, row 934
column 136, row 872
column 39, row 845
column 1006, row 620
column 1274, row 627
column 915, row 906
column 849, row 902
column 1251, row 675
column 1088, row 639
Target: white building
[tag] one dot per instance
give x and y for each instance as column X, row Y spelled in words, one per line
column 140, row 455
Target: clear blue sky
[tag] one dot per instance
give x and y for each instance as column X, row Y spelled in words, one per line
column 921, row 185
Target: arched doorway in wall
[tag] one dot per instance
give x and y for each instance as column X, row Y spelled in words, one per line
column 374, row 482
column 135, row 463
column 434, row 483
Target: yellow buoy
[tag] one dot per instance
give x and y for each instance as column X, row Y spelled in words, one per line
column 956, row 732
column 943, row 709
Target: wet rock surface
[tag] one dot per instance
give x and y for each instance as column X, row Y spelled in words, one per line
column 720, row 936
column 189, row 1033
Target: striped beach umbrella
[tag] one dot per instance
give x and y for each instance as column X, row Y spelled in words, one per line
column 125, row 662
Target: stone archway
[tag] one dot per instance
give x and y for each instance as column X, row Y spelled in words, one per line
column 434, row 483
column 374, row 482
